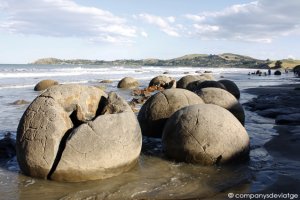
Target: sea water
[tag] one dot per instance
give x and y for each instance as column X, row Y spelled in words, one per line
column 154, row 176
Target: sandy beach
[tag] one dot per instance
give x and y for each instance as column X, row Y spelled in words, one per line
column 273, row 165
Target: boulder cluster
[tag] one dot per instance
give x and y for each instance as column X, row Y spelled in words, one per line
column 79, row 133
column 200, row 121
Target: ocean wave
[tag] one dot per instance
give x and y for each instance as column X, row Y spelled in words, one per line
column 15, row 86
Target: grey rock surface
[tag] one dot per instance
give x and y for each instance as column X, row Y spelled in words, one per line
column 206, row 134
column 67, row 118
column 161, row 106
column 224, row 99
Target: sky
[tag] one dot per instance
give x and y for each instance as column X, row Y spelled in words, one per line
column 140, row 29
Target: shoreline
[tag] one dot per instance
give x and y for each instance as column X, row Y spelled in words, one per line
column 280, row 102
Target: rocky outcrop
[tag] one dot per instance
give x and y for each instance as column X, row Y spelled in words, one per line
column 161, row 106
column 44, row 84
column 231, row 87
column 64, row 131
column 206, row 134
column 224, row 99
column 128, row 82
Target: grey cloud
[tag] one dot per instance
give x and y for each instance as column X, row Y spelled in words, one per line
column 259, row 21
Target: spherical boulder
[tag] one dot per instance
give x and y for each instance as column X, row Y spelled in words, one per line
column 206, row 134
column 128, row 82
column 44, row 84
column 163, row 81
column 159, row 107
column 198, row 85
column 224, row 99
column 231, row 87
column 277, row 73
column 77, row 133
column 184, row 81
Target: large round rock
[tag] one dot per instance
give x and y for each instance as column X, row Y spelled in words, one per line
column 163, row 81
column 231, row 87
column 161, row 106
column 206, row 134
column 44, row 84
column 184, row 81
column 224, row 99
column 77, row 133
column 128, row 82
column 198, row 85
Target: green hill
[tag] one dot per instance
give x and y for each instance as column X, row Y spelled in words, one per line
column 226, row 60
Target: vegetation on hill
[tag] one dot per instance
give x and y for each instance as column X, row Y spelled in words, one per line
column 197, row 60
column 285, row 63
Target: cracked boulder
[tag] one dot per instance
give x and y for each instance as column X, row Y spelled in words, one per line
column 77, row 133
column 163, row 81
column 206, row 134
column 224, row 99
column 159, row 107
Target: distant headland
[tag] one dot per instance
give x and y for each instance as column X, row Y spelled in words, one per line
column 226, row 60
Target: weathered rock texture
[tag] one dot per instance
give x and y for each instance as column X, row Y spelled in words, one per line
column 163, row 81
column 231, row 87
column 161, row 106
column 224, row 99
column 44, row 84
column 128, row 82
column 184, row 81
column 62, row 135
column 206, row 134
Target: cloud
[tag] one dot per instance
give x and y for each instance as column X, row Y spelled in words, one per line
column 144, row 34
column 195, row 18
column 63, row 18
column 162, row 23
column 257, row 21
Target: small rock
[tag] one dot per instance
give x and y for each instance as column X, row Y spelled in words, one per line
column 106, row 81
column 20, row 102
